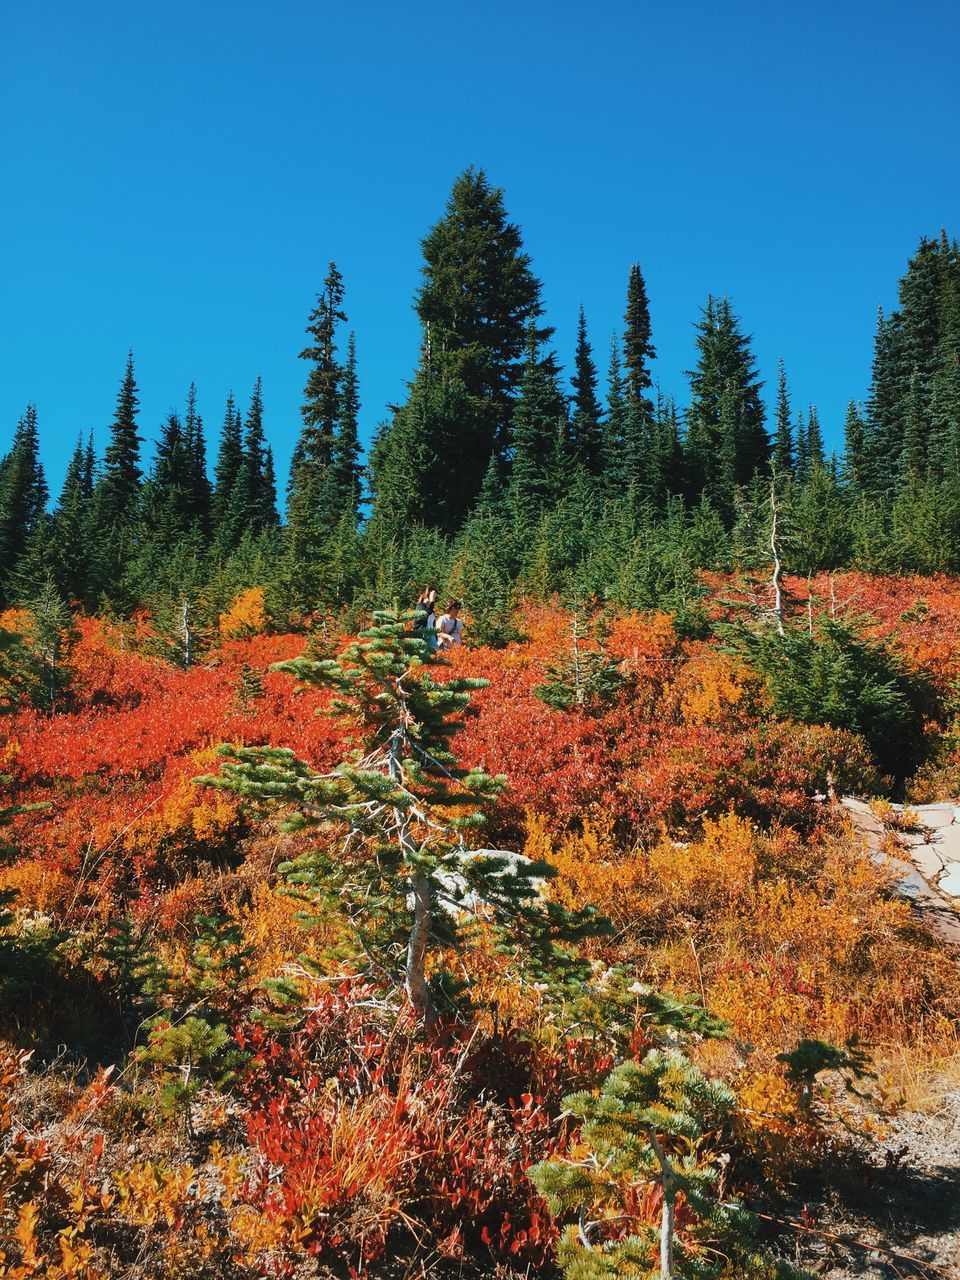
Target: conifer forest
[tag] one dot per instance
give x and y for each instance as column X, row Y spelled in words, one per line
column 620, row 939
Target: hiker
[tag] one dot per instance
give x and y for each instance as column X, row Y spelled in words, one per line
column 424, row 615
column 449, row 626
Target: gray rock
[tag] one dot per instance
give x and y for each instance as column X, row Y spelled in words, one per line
column 936, row 815
column 949, row 882
column 927, row 861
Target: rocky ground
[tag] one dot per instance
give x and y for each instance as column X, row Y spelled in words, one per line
column 898, row 1214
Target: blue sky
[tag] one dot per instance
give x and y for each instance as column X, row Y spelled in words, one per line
column 179, row 175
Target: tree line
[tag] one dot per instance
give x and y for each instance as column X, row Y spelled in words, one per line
column 497, row 476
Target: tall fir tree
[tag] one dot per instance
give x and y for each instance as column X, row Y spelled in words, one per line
column 118, row 485
column 615, row 473
column 227, row 473
column 855, row 466
column 311, row 510
column 23, row 495
column 199, row 488
column 816, row 454
column 346, row 471
column 477, row 297
column 638, row 350
column 727, row 443
column 586, row 428
column 256, row 484
column 783, row 457
column 71, row 524
column 540, row 433
column 168, row 493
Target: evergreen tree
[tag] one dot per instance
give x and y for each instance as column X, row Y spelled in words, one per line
column 666, row 462
column 312, row 509
column 413, row 481
column 638, row 447
column 726, row 439
column 399, row 873
column 783, row 455
column 816, row 455
column 346, row 471
column 168, row 494
column 253, row 502
column 818, row 522
column 802, row 468
column 227, row 473
column 118, row 485
column 477, row 297
column 199, row 492
column 586, row 429
column 540, row 436
column 23, row 494
column 640, row 1130
column 71, row 524
column 638, row 350
column 615, row 472
column 855, row 467
column 884, row 433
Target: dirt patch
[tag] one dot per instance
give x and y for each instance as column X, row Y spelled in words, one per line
column 897, row 1214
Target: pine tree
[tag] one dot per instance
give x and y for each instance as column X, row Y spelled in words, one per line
column 199, row 489
column 802, row 468
column 855, row 467
column 816, row 455
column 118, row 485
column 253, row 502
column 312, row 509
column 346, row 471
column 227, row 473
column 586, row 429
column 638, row 350
column 666, row 462
column 392, row 863
column 168, row 493
column 726, row 439
column 540, row 436
column 885, row 404
column 477, row 297
column 641, row 1130
column 71, row 523
column 615, row 472
column 918, row 342
column 23, row 494
column 783, row 455
column 638, row 448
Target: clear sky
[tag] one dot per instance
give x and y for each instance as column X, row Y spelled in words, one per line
column 178, row 175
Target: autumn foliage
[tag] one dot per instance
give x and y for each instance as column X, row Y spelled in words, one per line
column 691, row 816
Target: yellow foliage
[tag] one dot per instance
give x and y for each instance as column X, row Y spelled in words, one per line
column 272, row 930
column 721, row 865
column 39, row 886
column 247, row 615
column 716, row 689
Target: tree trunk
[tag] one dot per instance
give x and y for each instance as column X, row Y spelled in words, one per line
column 415, row 974
column 668, row 1184
column 777, row 566
column 415, row 982
column 666, row 1234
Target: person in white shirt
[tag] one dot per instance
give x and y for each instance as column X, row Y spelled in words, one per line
column 449, row 627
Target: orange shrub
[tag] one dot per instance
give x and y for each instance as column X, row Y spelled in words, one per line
column 720, row 866
column 247, row 615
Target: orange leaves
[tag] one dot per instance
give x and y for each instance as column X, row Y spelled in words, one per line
column 714, row 688
column 718, row 867
column 247, row 615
